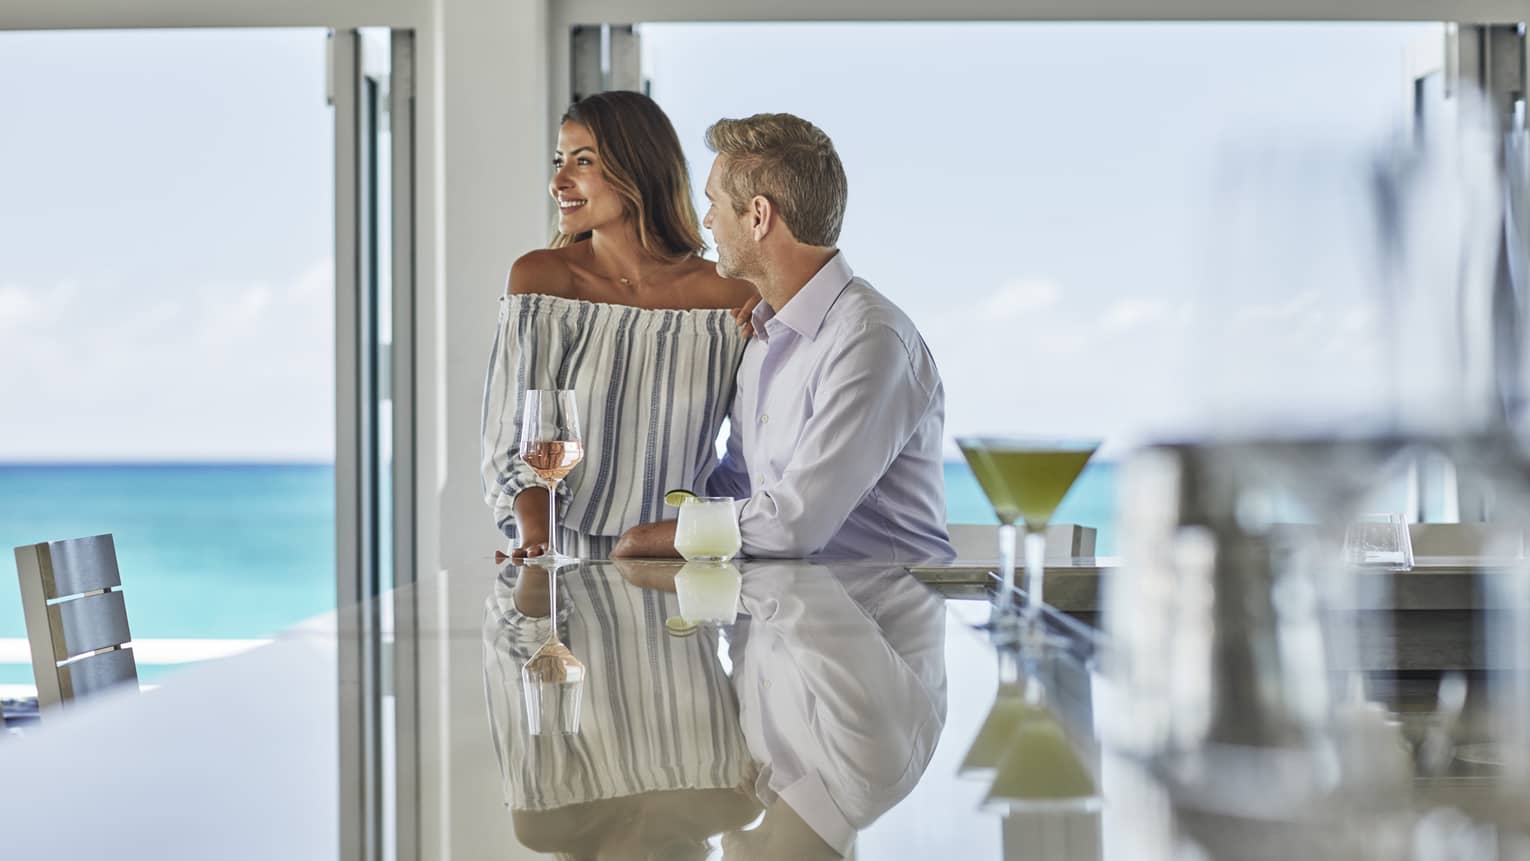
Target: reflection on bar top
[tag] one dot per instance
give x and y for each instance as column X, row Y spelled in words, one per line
column 823, row 711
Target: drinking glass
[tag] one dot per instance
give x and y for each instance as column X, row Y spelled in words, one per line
column 552, row 680
column 1379, row 541
column 1025, row 480
column 707, row 530
column 552, row 446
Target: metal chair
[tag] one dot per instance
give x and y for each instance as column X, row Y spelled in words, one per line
column 76, row 619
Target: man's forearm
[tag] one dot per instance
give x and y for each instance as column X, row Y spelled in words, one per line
column 648, row 541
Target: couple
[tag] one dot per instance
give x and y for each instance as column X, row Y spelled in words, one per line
column 835, row 404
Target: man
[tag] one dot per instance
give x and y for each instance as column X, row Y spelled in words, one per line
column 839, row 413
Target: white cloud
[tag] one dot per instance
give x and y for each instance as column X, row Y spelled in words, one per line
column 231, row 370
column 1125, row 315
column 22, row 306
column 1017, row 297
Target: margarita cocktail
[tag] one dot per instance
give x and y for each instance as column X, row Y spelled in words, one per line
column 707, row 530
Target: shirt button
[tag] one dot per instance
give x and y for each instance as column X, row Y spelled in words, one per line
column 764, row 418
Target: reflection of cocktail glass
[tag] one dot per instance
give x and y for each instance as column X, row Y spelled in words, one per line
column 707, row 530
column 1009, row 710
column 1024, row 479
column 708, row 592
column 552, row 446
column 1039, row 770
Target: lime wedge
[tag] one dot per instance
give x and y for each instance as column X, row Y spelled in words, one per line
column 678, row 498
column 678, row 627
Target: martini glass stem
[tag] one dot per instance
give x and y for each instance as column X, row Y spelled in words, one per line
column 1035, row 573
column 1004, row 602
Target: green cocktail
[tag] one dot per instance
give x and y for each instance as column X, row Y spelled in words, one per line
column 1024, row 480
column 1026, row 484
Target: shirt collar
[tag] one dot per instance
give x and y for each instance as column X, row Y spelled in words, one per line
column 804, row 313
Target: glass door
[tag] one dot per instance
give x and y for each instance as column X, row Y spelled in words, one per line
column 372, row 94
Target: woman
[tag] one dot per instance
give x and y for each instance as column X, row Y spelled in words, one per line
column 622, row 309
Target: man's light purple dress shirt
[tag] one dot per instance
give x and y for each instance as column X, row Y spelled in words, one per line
column 837, row 428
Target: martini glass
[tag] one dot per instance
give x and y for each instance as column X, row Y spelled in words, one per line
column 1025, row 480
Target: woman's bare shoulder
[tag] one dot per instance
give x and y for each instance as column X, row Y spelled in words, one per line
column 714, row 291
column 545, row 270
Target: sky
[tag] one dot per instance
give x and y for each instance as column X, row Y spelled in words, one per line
column 166, row 236
column 1044, row 200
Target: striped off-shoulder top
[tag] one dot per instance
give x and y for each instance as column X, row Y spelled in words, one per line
column 653, row 388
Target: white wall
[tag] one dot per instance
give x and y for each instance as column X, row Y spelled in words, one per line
column 493, row 141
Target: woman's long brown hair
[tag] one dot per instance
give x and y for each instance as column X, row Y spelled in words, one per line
column 640, row 156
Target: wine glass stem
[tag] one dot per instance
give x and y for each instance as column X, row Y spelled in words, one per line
column 552, row 603
column 1035, row 572
column 552, row 518
column 1006, row 597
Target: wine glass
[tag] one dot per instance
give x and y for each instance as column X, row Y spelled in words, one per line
column 552, row 446
column 1024, row 479
column 552, row 680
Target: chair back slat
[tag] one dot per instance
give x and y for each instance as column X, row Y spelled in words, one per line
column 80, row 565
column 97, row 673
column 80, row 576
column 87, row 624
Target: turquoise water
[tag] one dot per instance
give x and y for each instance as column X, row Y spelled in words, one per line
column 245, row 550
column 206, row 550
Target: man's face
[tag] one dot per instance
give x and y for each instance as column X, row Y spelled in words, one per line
column 737, row 252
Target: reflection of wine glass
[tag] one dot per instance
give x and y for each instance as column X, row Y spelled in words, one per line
column 707, row 529
column 552, row 680
column 552, row 447
column 1025, row 479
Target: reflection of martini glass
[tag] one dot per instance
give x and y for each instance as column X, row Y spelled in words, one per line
column 1023, row 747
column 1010, row 709
column 1039, row 769
column 1024, row 480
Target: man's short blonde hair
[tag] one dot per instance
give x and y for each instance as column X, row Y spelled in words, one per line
column 790, row 162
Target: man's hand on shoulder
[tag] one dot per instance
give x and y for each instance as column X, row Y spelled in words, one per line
column 743, row 316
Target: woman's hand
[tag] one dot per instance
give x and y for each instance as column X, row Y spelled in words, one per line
column 743, row 316
column 531, row 547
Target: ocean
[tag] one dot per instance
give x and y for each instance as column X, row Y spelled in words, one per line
column 244, row 550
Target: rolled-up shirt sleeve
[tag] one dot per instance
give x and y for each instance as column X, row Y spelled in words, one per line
column 868, row 403
column 517, row 362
